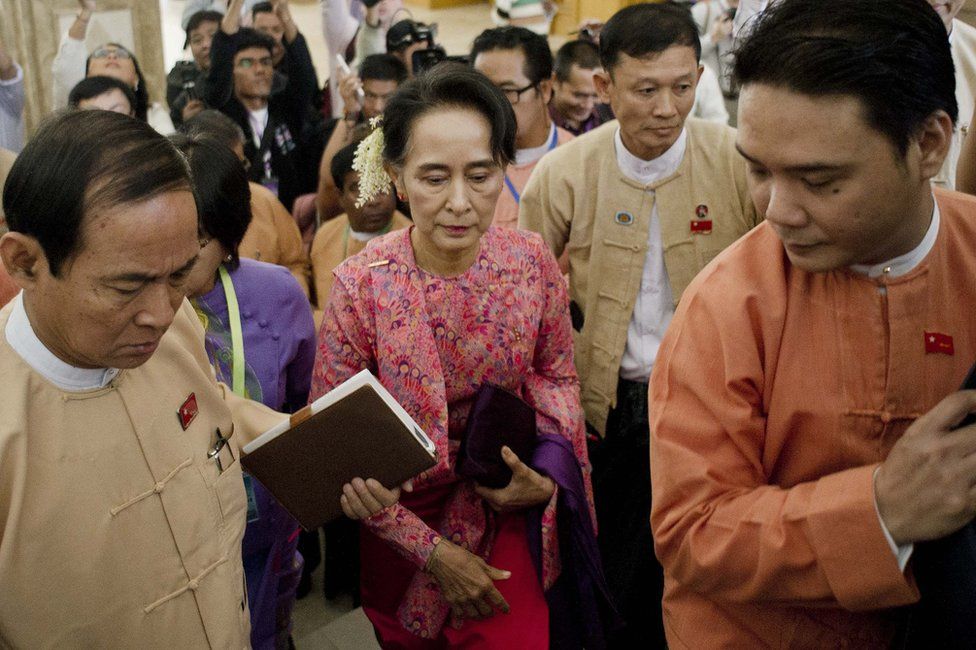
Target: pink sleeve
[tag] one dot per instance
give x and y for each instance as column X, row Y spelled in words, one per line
column 405, row 532
column 346, row 346
column 552, row 388
column 345, row 342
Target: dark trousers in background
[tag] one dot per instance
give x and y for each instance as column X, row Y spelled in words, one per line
column 622, row 491
column 341, row 559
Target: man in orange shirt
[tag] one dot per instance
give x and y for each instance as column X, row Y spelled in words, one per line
column 803, row 404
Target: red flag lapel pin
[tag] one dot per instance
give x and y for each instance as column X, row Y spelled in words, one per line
column 938, row 343
column 701, row 224
column 188, row 411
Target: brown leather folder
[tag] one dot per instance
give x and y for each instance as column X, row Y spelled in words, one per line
column 358, row 436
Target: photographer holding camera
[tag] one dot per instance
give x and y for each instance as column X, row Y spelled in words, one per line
column 414, row 43
column 184, row 83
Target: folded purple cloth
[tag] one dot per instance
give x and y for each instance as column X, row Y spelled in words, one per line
column 581, row 610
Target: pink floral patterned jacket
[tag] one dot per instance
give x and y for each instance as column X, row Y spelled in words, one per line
column 432, row 342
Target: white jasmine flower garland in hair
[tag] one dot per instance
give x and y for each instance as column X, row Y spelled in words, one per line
column 373, row 179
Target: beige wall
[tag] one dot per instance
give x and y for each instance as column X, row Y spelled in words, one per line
column 32, row 30
column 968, row 12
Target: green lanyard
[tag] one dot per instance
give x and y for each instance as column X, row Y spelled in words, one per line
column 236, row 334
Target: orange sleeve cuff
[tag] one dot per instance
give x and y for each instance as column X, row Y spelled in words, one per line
column 852, row 549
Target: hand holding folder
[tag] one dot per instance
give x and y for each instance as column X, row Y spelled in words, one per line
column 357, row 429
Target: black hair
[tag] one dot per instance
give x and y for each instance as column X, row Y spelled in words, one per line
column 91, row 87
column 647, row 29
column 247, row 38
column 383, row 67
column 198, row 19
column 81, row 163
column 535, row 48
column 221, row 189
column 584, row 54
column 454, row 85
column 342, row 164
column 216, row 125
column 892, row 55
column 141, row 105
column 261, row 8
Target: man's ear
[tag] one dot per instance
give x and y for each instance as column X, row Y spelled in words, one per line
column 602, row 81
column 545, row 90
column 933, row 139
column 23, row 258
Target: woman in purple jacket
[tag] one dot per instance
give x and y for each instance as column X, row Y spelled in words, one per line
column 261, row 341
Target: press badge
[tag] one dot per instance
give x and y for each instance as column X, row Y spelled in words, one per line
column 252, row 501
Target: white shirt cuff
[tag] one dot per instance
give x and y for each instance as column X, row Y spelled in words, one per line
column 902, row 553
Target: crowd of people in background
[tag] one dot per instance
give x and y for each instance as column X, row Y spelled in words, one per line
column 721, row 235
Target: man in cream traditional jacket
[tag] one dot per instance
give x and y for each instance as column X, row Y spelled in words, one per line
column 640, row 206
column 121, row 496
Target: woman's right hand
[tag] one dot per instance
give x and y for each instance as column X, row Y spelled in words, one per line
column 467, row 581
column 362, row 499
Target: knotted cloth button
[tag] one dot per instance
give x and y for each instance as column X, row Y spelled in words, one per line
column 886, row 417
column 159, row 487
column 192, row 585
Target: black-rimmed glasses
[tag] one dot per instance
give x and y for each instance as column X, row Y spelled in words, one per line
column 513, row 95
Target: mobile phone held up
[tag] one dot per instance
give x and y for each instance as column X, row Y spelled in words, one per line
column 343, row 67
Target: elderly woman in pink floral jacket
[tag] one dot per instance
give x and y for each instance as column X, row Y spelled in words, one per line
column 435, row 311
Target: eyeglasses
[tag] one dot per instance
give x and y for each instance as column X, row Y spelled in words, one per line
column 248, row 62
column 118, row 52
column 513, row 95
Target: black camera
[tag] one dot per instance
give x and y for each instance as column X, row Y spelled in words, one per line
column 406, row 32
column 189, row 75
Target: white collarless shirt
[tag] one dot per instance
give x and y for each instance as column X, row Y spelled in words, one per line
column 905, row 263
column 535, row 154
column 22, row 338
column 655, row 302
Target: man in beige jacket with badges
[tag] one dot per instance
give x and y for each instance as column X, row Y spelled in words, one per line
column 121, row 497
column 640, row 205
